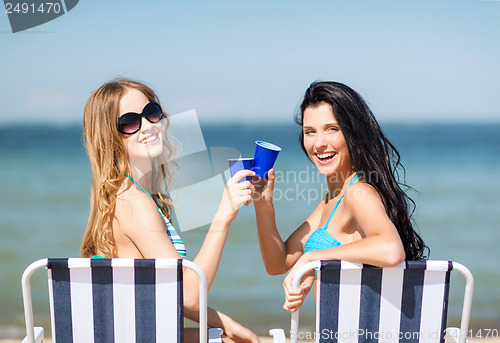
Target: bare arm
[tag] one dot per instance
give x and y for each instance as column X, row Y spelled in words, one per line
column 231, row 329
column 145, row 228
column 234, row 196
column 141, row 223
column 381, row 245
column 279, row 256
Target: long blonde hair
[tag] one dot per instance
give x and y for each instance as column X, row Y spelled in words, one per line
column 109, row 163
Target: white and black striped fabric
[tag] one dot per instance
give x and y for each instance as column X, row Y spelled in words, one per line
column 361, row 303
column 116, row 300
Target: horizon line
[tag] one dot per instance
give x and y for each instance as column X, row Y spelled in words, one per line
column 210, row 122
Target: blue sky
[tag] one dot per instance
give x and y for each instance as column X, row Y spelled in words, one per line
column 232, row 61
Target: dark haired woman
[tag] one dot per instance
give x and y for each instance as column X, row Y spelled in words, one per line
column 364, row 217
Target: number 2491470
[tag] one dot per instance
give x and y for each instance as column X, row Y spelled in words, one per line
column 24, row 8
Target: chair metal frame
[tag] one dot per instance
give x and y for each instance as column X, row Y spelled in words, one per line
column 451, row 333
column 35, row 334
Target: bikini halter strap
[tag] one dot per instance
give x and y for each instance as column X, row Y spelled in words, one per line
column 139, row 186
column 338, row 201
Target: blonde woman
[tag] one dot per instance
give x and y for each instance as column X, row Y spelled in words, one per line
column 125, row 132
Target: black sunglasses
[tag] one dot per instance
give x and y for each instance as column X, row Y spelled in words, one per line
column 130, row 122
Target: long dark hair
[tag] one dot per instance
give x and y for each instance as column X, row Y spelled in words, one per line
column 373, row 156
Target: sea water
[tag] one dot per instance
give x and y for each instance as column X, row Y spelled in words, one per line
column 453, row 170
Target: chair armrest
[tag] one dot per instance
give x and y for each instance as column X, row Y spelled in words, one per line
column 278, row 335
column 214, row 335
column 38, row 335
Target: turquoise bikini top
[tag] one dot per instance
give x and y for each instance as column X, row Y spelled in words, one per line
column 321, row 239
column 172, row 233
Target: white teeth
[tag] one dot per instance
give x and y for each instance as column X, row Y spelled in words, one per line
column 323, row 156
column 149, row 139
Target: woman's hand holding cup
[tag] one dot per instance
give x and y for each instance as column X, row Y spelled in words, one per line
column 264, row 188
column 235, row 195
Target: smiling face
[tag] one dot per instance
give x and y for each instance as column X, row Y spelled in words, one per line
column 324, row 142
column 146, row 143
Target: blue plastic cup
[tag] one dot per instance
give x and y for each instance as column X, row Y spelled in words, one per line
column 265, row 156
column 237, row 164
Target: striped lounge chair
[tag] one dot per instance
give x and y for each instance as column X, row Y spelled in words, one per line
column 114, row 300
column 360, row 303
